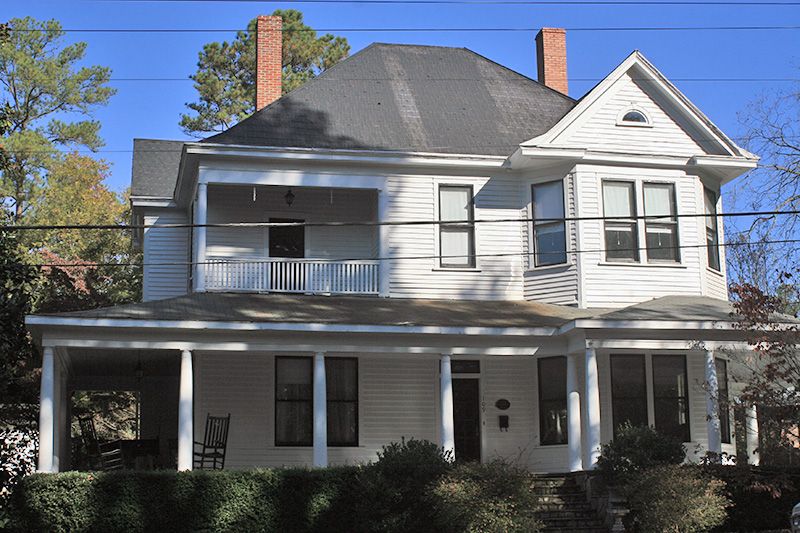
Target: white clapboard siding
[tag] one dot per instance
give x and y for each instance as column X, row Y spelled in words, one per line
column 598, row 128
column 554, row 284
column 495, row 278
column 618, row 284
column 397, row 399
column 162, row 246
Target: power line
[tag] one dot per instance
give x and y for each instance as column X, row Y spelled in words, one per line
column 389, row 223
column 398, row 258
column 508, row 2
column 418, row 30
column 703, row 80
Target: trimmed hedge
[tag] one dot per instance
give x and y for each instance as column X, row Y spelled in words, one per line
column 412, row 487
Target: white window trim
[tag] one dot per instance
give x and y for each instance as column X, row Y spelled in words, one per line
column 455, row 182
column 658, row 262
column 637, row 212
column 626, row 110
column 531, row 255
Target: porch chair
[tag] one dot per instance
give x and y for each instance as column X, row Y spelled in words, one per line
column 211, row 455
column 102, row 455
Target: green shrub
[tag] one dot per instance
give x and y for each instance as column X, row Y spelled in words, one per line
column 762, row 497
column 494, row 497
column 409, row 488
column 678, row 499
column 635, row 449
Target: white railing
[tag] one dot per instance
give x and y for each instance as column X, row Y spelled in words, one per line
column 315, row 276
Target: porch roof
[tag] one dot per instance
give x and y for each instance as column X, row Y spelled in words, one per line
column 354, row 310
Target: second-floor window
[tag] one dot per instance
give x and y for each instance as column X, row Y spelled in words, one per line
column 619, row 205
column 661, row 234
column 457, row 230
column 712, row 234
column 549, row 227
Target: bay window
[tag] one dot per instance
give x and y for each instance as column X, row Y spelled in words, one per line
column 549, row 227
column 619, row 203
column 712, row 233
column 628, row 391
column 671, row 396
column 294, row 398
column 552, row 400
column 457, row 230
column 661, row 233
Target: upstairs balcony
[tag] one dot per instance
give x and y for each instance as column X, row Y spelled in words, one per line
column 291, row 258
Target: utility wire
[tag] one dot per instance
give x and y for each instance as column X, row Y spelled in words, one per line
column 525, row 81
column 508, row 2
column 417, row 30
column 392, row 223
column 398, row 258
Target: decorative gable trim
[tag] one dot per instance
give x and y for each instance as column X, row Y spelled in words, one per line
column 645, row 71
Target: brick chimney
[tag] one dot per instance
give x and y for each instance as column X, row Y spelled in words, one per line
column 269, row 59
column 551, row 58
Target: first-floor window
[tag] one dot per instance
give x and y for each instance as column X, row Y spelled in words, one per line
column 549, row 226
column 294, row 401
column 724, row 406
column 294, row 394
column 457, row 228
column 553, row 400
column 619, row 206
column 671, row 396
column 628, row 391
column 341, row 376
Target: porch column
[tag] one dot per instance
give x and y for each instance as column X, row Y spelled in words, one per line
column 200, row 217
column 320, row 412
column 384, row 265
column 47, row 411
column 751, row 434
column 573, row 415
column 712, row 405
column 186, row 413
column 592, row 403
column 446, row 393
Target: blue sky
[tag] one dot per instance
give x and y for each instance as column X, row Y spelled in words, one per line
column 151, row 109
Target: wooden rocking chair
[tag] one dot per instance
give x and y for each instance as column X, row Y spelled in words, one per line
column 211, row 453
column 102, row 456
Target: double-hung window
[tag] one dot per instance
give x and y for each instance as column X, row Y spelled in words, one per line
column 628, row 391
column 671, row 395
column 294, row 400
column 457, row 227
column 661, row 224
column 549, row 226
column 552, row 400
column 723, row 403
column 619, row 208
column 712, row 233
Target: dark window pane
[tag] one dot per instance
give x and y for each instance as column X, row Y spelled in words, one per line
column 293, row 378
column 628, row 391
column 635, row 116
column 712, row 234
column 465, row 367
column 553, row 400
column 724, row 405
column 341, row 376
column 670, row 391
column 550, row 244
column 621, row 242
column 662, row 243
column 286, row 241
column 293, row 423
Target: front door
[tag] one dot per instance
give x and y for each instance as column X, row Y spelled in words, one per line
column 467, row 419
column 287, row 241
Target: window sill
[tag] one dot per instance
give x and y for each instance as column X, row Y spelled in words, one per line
column 545, row 268
column 641, row 265
column 455, row 269
column 715, row 271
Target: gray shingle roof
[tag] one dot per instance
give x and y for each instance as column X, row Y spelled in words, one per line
column 238, row 307
column 155, row 167
column 407, row 98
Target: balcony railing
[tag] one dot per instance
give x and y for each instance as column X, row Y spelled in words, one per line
column 313, row 276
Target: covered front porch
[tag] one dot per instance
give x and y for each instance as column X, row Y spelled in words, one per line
column 536, row 384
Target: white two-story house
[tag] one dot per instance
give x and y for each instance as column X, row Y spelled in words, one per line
column 423, row 243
